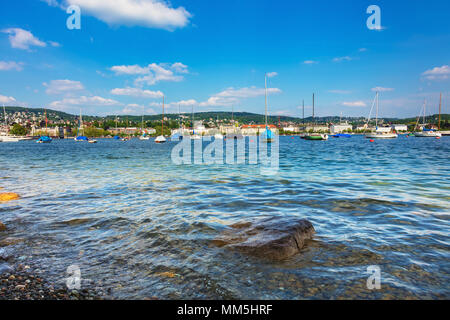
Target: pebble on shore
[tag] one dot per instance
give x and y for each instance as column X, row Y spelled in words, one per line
column 8, row 196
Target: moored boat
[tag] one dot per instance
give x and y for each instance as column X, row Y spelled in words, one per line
column 161, row 138
column 380, row 132
column 44, row 139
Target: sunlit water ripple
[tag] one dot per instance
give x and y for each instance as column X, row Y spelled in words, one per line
column 126, row 215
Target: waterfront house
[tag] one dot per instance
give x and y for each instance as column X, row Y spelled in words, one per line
column 256, row 129
column 399, row 127
column 339, row 128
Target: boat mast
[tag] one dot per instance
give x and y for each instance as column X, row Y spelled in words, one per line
column 376, row 117
column 440, row 104
column 265, row 81
column 45, row 121
column 4, row 112
column 313, row 120
column 424, row 112
column 162, row 126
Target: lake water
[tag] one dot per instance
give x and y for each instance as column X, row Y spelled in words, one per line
column 141, row 226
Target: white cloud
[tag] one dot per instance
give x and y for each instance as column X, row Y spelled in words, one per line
column 83, row 101
column 129, row 70
column 272, row 74
column 437, row 73
column 362, row 50
column 63, row 86
column 179, row 67
column 54, row 44
column 22, row 39
column 382, row 89
column 354, row 104
column 340, row 91
column 340, row 59
column 145, row 13
column 136, row 92
column 310, row 62
column 6, row 99
column 232, row 96
column 136, row 109
column 153, row 73
column 10, row 65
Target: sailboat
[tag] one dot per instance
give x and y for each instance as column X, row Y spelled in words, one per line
column 315, row 136
column 46, row 138
column 161, row 138
column 267, row 134
column 194, row 136
column 177, row 135
column 380, row 132
column 80, row 138
column 429, row 133
column 144, row 135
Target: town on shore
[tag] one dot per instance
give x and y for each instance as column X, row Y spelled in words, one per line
column 38, row 122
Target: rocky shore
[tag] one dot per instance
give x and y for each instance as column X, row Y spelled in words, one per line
column 22, row 284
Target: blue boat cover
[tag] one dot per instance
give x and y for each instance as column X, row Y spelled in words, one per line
column 344, row 135
column 82, row 138
column 116, row 138
column 45, row 139
column 267, row 134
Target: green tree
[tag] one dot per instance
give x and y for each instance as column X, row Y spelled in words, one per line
column 18, row 130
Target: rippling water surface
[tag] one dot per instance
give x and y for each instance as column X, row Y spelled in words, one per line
column 142, row 226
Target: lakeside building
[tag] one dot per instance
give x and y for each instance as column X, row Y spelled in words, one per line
column 59, row 132
column 292, row 129
column 399, row 127
column 256, row 129
column 127, row 131
column 339, row 128
column 317, row 128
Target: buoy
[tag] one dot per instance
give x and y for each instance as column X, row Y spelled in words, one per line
column 371, row 140
column 8, row 196
column 438, row 137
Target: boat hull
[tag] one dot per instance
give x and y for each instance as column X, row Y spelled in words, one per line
column 381, row 135
column 316, row 137
column 427, row 134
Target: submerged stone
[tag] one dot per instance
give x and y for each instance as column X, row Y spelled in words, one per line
column 276, row 238
column 8, row 196
column 2, row 226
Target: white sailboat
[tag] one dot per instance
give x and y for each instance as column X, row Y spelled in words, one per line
column 428, row 133
column 380, row 132
column 144, row 135
column 161, row 138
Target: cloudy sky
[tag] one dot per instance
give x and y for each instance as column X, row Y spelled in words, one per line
column 212, row 55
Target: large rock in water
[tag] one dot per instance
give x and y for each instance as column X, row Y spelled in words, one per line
column 275, row 238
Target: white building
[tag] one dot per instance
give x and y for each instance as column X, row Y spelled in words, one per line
column 399, row 127
column 291, row 129
column 339, row 128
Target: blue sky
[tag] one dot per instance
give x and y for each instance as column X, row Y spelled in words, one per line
column 213, row 55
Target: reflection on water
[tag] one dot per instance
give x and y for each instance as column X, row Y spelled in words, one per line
column 138, row 224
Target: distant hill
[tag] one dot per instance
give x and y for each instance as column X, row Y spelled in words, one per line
column 241, row 117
